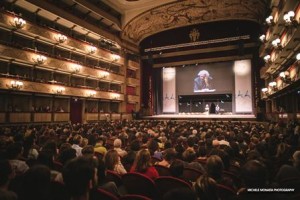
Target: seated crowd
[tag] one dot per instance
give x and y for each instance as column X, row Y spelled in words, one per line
column 216, row 160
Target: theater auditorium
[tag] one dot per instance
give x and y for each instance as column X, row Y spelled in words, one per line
column 149, row 99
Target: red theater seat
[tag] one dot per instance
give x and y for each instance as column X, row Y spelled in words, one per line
column 136, row 183
column 167, row 183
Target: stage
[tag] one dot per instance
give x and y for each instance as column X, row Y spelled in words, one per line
column 201, row 116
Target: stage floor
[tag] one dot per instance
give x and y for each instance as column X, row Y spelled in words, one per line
column 234, row 117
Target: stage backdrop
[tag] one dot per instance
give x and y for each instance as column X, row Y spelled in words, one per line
column 201, row 81
column 243, row 89
column 169, row 90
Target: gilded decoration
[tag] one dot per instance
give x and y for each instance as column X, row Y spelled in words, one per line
column 189, row 12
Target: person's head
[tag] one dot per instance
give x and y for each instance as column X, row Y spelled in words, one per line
column 80, row 175
column 77, row 139
column 191, row 141
column 66, row 155
column 189, row 155
column 14, row 150
column 214, row 167
column 176, row 168
column 206, row 188
column 88, row 150
column 296, row 159
column 203, row 74
column 6, row 172
column 36, row 183
column 152, row 146
column 169, row 154
column 117, row 143
column 135, row 145
column 254, row 174
column 142, row 160
column 111, row 159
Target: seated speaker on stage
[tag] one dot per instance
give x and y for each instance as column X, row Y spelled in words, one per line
column 206, row 109
column 212, row 109
column 217, row 109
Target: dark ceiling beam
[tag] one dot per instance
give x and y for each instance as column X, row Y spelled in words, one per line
column 74, row 19
column 100, row 12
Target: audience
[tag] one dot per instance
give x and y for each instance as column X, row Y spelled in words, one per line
column 258, row 155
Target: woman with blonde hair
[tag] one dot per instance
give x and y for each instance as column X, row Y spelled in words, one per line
column 113, row 162
column 142, row 164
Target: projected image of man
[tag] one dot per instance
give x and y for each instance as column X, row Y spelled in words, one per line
column 202, row 82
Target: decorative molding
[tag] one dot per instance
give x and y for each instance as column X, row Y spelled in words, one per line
column 200, row 43
column 183, row 13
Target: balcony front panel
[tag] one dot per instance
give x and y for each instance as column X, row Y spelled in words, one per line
column 35, row 87
column 55, row 64
column 42, row 117
column 133, row 98
column 19, row 117
column 134, row 65
column 133, row 81
column 50, row 36
column 115, row 116
column 2, row 117
column 91, row 116
column 61, row 117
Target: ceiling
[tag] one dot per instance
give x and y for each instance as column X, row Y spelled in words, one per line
column 143, row 18
column 135, row 20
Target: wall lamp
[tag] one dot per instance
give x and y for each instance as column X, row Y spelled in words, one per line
column 298, row 58
column 264, row 91
column 103, row 74
column 267, row 58
column 91, row 93
column 115, row 57
column 285, row 76
column 115, row 96
column 16, row 85
column 276, row 44
column 289, row 18
column 61, row 38
column 273, row 85
column 18, row 22
column 40, row 59
column 76, row 68
column 59, row 90
column 270, row 20
column 92, row 49
column 262, row 38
